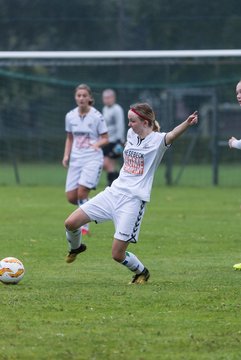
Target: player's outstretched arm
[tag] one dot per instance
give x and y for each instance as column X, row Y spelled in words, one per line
column 180, row 129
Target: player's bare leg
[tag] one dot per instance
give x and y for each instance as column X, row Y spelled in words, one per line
column 129, row 260
column 73, row 233
column 82, row 197
column 78, row 197
column 72, row 196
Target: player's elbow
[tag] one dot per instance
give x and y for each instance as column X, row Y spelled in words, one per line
column 169, row 139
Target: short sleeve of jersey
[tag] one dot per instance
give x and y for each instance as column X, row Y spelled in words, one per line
column 67, row 123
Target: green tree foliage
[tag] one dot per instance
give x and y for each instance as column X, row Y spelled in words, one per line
column 119, row 24
column 40, row 95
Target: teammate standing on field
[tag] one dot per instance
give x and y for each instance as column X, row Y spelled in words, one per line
column 124, row 202
column 83, row 156
column 114, row 117
column 235, row 143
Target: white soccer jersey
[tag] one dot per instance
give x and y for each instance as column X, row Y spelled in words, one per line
column 141, row 159
column 86, row 131
column 114, row 117
column 236, row 144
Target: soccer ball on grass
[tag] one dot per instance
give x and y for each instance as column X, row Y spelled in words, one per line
column 11, row 270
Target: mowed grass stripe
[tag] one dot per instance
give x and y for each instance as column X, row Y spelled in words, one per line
column 190, row 309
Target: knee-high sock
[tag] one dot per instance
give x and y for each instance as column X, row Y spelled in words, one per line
column 133, row 263
column 81, row 201
column 73, row 238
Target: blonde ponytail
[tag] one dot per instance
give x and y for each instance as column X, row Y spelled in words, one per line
column 156, row 127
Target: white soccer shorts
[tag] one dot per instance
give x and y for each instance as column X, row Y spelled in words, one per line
column 87, row 175
column 125, row 212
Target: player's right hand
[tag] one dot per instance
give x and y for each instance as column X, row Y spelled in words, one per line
column 65, row 161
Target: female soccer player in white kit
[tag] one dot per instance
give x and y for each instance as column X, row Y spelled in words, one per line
column 124, row 202
column 115, row 121
column 86, row 134
column 235, row 143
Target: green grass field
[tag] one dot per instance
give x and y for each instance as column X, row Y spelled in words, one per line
column 54, row 174
column 190, row 309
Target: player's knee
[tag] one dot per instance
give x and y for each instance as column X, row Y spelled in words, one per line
column 69, row 225
column 73, row 202
column 72, row 199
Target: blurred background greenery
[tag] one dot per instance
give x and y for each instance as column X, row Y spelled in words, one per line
column 37, row 93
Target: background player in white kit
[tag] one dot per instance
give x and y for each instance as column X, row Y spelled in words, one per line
column 124, row 202
column 86, row 134
column 114, row 117
column 235, row 143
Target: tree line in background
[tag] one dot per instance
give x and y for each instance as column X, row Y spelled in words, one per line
column 40, row 95
column 119, row 24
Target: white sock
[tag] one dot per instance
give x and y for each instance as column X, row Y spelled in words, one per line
column 73, row 238
column 133, row 263
column 81, row 201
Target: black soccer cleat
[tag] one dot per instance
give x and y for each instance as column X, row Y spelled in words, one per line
column 141, row 278
column 74, row 252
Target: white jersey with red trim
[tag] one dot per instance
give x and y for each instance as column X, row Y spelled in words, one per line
column 141, row 159
column 86, row 131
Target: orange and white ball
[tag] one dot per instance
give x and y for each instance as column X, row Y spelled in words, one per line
column 11, row 270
